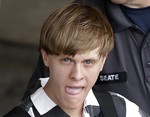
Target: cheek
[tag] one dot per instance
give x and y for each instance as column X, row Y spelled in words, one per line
column 58, row 79
column 58, row 72
column 93, row 75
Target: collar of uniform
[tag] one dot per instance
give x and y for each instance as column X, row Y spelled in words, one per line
column 90, row 97
column 116, row 17
column 41, row 101
column 44, row 104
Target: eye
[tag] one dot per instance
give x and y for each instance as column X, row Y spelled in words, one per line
column 88, row 62
column 67, row 60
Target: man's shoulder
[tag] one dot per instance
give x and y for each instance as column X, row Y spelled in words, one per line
column 120, row 104
column 17, row 112
column 125, row 106
column 21, row 110
column 120, row 98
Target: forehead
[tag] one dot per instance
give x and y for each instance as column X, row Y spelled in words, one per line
column 93, row 54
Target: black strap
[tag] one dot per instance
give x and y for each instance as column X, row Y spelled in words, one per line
column 106, row 103
column 17, row 112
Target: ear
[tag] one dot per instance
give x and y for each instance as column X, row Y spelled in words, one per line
column 44, row 57
column 104, row 57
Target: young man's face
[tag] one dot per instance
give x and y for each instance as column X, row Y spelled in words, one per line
column 71, row 78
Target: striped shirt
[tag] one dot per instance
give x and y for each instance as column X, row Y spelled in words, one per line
column 44, row 104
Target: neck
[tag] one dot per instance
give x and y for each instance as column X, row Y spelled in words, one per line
column 71, row 111
column 139, row 4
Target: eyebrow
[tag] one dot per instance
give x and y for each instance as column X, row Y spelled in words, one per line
column 92, row 58
column 96, row 58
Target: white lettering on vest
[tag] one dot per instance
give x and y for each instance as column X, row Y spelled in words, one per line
column 109, row 77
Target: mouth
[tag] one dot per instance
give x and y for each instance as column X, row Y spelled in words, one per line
column 73, row 90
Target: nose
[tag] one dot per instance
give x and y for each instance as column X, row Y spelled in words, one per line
column 77, row 73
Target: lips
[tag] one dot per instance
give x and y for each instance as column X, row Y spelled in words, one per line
column 73, row 90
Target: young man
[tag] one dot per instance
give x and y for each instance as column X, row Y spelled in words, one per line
column 127, row 68
column 74, row 43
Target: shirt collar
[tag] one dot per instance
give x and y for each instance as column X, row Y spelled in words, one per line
column 44, row 104
column 117, row 18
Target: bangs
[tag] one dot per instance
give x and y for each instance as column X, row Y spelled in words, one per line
column 76, row 29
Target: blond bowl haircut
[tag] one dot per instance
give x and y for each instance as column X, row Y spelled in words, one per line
column 76, row 28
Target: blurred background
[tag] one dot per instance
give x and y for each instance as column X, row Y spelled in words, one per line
column 20, row 25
